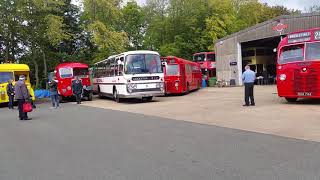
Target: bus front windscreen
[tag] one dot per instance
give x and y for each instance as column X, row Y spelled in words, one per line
column 291, row 54
column 211, row 57
column 143, row 63
column 199, row 57
column 81, row 72
column 5, row 77
column 172, row 70
column 313, row 51
column 66, row 72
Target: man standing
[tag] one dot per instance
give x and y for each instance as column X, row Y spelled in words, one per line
column 248, row 78
column 53, row 86
column 10, row 92
column 77, row 89
column 22, row 95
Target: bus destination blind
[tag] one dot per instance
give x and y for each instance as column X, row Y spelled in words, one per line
column 317, row 35
column 299, row 37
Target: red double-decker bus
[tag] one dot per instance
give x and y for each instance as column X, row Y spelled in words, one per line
column 181, row 76
column 207, row 62
column 298, row 66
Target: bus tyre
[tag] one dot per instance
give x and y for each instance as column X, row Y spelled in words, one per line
column 188, row 89
column 100, row 95
column 61, row 99
column 291, row 100
column 147, row 99
column 116, row 96
column 90, row 95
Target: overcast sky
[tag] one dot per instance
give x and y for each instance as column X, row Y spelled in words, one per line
column 291, row 4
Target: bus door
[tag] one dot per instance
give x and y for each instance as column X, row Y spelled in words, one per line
column 183, row 76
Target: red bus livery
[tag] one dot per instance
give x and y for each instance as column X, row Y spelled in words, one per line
column 207, row 62
column 298, row 66
column 65, row 73
column 181, row 76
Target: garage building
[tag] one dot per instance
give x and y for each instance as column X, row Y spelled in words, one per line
column 255, row 46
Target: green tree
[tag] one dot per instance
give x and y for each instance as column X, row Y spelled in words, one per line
column 222, row 20
column 10, row 30
column 102, row 22
column 133, row 23
column 42, row 28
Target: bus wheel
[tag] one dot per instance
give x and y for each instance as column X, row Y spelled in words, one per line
column 116, row 96
column 291, row 100
column 99, row 93
column 188, row 89
column 90, row 96
column 147, row 99
column 61, row 99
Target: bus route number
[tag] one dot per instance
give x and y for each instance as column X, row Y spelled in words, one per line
column 317, row 35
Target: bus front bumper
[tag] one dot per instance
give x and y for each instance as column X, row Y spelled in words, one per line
column 141, row 95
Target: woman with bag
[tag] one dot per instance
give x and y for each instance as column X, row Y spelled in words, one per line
column 22, row 96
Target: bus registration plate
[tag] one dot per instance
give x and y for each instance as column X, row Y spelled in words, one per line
column 304, row 94
column 146, row 86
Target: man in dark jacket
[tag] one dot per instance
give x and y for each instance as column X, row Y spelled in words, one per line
column 53, row 85
column 22, row 95
column 77, row 89
column 10, row 92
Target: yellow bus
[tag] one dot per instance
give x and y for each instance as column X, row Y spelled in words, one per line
column 12, row 72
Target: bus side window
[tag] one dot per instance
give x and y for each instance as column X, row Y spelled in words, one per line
column 112, row 67
column 108, row 70
column 120, row 67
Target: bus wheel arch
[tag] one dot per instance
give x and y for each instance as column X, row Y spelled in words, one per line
column 291, row 100
column 90, row 96
column 99, row 92
column 187, row 88
column 147, row 99
column 115, row 95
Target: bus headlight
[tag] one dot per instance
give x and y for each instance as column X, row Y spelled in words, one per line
column 282, row 77
column 161, row 86
column 68, row 88
column 176, row 84
column 131, row 87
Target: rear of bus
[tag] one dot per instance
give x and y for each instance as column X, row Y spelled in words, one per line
column 174, row 74
column 298, row 66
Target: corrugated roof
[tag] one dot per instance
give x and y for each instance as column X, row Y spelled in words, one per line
column 267, row 22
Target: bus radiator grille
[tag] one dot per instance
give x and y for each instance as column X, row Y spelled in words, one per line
column 306, row 82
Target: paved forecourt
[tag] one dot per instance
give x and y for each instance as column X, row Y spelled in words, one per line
column 80, row 143
column 223, row 107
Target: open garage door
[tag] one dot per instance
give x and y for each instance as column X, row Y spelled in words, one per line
column 261, row 58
